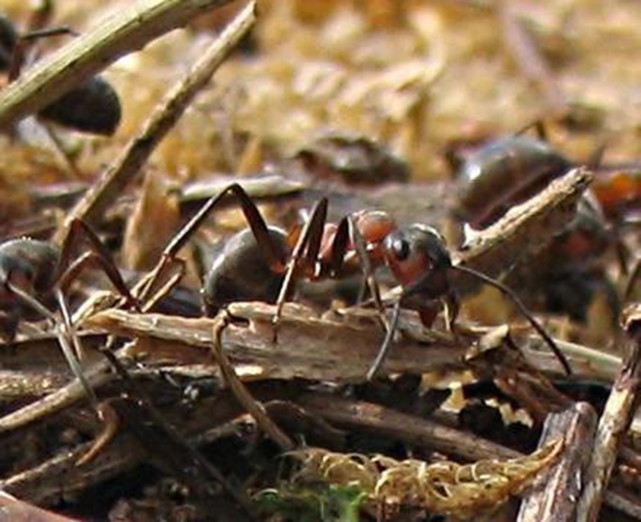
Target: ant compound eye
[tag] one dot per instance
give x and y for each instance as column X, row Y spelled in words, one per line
column 401, row 249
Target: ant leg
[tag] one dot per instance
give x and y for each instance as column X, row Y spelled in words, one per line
column 24, row 44
column 252, row 215
column 345, row 231
column 346, row 228
column 452, row 307
column 99, row 256
column 310, row 237
column 366, row 263
column 63, row 340
column 72, row 354
column 387, row 343
column 256, row 223
column 524, row 311
column 63, row 150
column 539, row 128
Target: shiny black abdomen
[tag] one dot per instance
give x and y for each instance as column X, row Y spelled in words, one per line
column 239, row 272
column 505, row 173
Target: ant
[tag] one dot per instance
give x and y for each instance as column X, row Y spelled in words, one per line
column 262, row 263
column 33, row 271
column 499, row 174
column 92, row 107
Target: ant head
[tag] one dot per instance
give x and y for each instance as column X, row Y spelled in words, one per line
column 416, row 254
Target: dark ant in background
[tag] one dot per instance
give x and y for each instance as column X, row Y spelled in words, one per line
column 262, row 263
column 502, row 173
column 32, row 272
column 92, row 107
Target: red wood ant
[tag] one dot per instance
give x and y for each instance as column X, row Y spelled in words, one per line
column 262, row 263
column 92, row 107
column 30, row 268
column 505, row 172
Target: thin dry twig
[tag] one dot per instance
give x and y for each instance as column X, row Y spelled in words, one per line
column 614, row 423
column 242, row 394
column 401, row 426
column 524, row 230
column 137, row 152
column 125, row 31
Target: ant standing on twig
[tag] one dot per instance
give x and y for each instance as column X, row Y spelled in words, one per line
column 263, row 262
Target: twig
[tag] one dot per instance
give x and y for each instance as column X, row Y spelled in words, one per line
column 362, row 415
column 87, row 55
column 164, row 117
column 614, row 422
column 555, row 501
column 242, row 394
column 524, row 230
column 309, row 347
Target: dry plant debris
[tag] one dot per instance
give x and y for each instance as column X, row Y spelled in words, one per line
column 375, row 105
column 462, row 491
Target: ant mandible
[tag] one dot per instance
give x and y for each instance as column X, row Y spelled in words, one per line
column 262, row 262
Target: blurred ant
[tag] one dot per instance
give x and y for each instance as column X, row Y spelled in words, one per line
column 262, row 263
column 92, row 107
column 33, row 271
column 502, row 173
column 499, row 174
column 618, row 190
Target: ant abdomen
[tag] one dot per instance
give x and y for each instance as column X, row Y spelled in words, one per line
column 30, row 261
column 504, row 173
column 239, row 271
column 92, row 107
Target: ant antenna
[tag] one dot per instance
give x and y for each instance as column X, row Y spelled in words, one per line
column 387, row 343
column 524, row 311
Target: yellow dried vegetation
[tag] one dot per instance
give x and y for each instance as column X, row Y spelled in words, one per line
column 442, row 487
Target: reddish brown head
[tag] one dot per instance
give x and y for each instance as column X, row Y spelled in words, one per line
column 419, row 259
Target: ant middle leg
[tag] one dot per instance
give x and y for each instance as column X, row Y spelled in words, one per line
column 348, row 233
column 270, row 251
column 311, row 237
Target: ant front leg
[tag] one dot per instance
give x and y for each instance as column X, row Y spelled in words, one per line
column 346, row 233
column 539, row 128
column 24, row 44
column 311, row 237
column 99, row 257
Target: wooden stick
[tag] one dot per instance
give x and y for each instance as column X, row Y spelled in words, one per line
column 125, row 31
column 555, row 501
column 613, row 424
column 164, row 117
column 240, row 391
